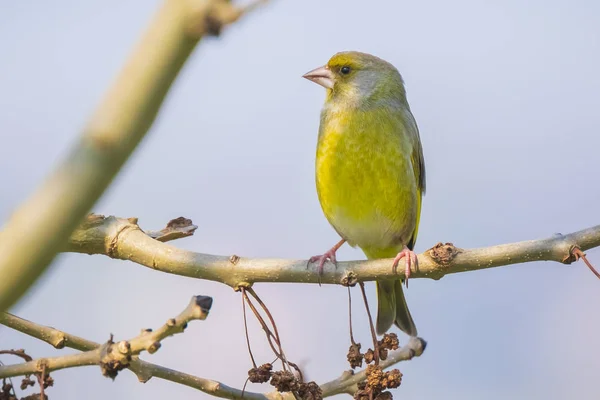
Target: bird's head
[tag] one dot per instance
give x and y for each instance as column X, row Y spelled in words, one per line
column 357, row 78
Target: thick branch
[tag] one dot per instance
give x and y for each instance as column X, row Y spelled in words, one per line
column 112, row 357
column 123, row 239
column 42, row 225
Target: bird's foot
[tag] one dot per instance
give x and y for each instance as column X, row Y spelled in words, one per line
column 322, row 259
column 411, row 259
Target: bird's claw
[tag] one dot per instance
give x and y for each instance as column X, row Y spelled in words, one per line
column 322, row 259
column 411, row 259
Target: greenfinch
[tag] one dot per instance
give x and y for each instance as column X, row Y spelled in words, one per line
column 370, row 171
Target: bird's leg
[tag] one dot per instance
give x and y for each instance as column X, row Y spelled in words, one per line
column 411, row 259
column 328, row 255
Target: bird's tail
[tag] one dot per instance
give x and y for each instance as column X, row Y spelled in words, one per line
column 391, row 304
column 392, row 308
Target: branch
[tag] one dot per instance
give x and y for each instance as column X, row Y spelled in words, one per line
column 42, row 225
column 54, row 337
column 52, row 364
column 112, row 357
column 145, row 370
column 123, row 239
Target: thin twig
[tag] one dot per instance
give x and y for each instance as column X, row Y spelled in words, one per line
column 18, row 353
column 350, row 316
column 580, row 254
column 373, row 335
column 246, row 332
column 41, row 377
column 297, row 368
column 245, row 384
column 276, row 332
column 263, row 324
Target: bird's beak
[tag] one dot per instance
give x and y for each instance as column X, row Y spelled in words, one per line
column 321, row 76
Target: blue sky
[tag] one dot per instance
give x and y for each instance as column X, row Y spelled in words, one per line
column 506, row 98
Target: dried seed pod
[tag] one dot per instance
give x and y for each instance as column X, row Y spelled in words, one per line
column 383, row 353
column 375, row 378
column 48, row 381
column 27, row 381
column 389, row 341
column 35, row 396
column 361, row 395
column 284, row 381
column 261, row 374
column 355, row 357
column 393, row 379
column 384, row 396
column 369, row 356
column 310, row 391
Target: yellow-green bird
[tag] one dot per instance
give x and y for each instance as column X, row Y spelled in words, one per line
column 370, row 171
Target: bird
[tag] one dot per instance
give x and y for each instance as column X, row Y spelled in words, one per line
column 370, row 171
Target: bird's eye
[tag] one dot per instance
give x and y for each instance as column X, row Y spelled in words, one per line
column 345, row 70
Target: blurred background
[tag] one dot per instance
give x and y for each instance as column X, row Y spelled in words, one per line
column 506, row 96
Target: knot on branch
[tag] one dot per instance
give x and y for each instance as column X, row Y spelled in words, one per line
column 350, row 279
column 444, row 253
column 576, row 253
column 60, row 343
column 111, row 368
column 112, row 248
column 112, row 359
column 212, row 16
column 240, row 286
column 213, row 24
column 573, row 254
column 92, row 220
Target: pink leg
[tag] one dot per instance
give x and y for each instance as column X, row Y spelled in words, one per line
column 411, row 259
column 328, row 255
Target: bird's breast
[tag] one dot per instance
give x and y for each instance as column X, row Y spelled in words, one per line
column 365, row 179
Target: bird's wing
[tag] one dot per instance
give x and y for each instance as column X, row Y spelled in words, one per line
column 418, row 164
